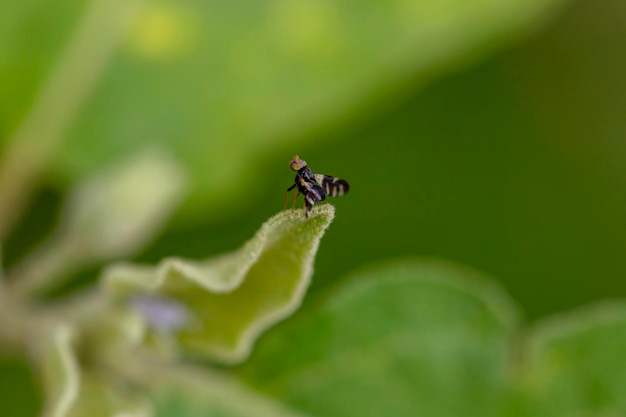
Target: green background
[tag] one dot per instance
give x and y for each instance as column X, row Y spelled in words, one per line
column 512, row 164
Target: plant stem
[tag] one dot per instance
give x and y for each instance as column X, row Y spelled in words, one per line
column 21, row 322
column 15, row 325
column 80, row 67
column 42, row 269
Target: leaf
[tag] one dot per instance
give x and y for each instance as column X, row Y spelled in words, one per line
column 416, row 337
column 30, row 44
column 181, row 390
column 432, row 338
column 107, row 216
column 76, row 392
column 236, row 80
column 222, row 304
column 57, row 104
column 118, row 211
column 61, row 374
column 577, row 363
column 411, row 338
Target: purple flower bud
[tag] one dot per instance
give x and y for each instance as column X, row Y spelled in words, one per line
column 163, row 314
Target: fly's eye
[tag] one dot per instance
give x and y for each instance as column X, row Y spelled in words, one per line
column 297, row 163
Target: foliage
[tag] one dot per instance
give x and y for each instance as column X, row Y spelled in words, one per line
column 141, row 110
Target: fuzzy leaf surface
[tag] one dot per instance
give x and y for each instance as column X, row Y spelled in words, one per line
column 419, row 337
column 218, row 307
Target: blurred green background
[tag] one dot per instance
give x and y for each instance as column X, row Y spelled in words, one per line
column 514, row 166
column 507, row 155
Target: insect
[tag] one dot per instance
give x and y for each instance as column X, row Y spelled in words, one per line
column 314, row 187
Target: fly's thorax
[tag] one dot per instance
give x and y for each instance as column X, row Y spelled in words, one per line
column 307, row 175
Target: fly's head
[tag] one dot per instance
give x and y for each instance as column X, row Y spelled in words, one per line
column 296, row 163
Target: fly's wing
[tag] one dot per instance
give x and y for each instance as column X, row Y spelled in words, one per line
column 332, row 186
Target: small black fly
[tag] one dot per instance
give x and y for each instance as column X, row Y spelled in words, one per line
column 314, row 187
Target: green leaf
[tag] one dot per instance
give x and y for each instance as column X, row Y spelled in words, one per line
column 416, row 337
column 107, row 216
column 116, row 212
column 431, row 338
column 412, row 338
column 74, row 391
column 57, row 103
column 31, row 41
column 577, row 363
column 236, row 80
column 186, row 391
column 218, row 307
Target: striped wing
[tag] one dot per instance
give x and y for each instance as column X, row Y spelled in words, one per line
column 332, row 186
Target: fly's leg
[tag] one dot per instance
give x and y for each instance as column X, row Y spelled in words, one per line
column 287, row 195
column 295, row 197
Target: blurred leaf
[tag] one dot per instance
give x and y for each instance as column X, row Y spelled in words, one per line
column 411, row 338
column 117, row 212
column 577, row 363
column 107, row 216
column 77, row 70
column 33, row 35
column 187, row 391
column 218, row 307
column 431, row 338
column 224, row 82
column 76, row 392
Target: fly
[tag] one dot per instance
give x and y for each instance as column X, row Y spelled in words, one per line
column 314, row 187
